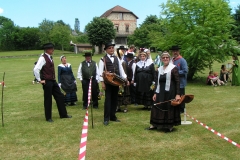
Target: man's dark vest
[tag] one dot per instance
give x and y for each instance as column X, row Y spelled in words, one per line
column 47, row 72
column 130, row 71
column 112, row 67
column 87, row 72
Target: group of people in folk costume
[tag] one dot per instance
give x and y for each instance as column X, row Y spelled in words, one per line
column 145, row 84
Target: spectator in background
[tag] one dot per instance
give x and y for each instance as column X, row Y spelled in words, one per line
column 67, row 81
column 143, row 80
column 35, row 79
column 157, row 60
column 181, row 64
column 87, row 69
column 235, row 71
column 224, row 74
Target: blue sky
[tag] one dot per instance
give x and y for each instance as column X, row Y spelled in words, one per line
column 29, row 13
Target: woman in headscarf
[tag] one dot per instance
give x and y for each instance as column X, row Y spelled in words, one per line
column 143, row 80
column 164, row 115
column 67, row 81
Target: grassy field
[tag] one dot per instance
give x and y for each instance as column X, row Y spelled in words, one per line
column 26, row 135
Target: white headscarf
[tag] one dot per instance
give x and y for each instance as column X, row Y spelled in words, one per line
column 167, row 71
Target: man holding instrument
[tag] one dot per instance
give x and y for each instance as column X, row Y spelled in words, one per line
column 111, row 64
column 87, row 69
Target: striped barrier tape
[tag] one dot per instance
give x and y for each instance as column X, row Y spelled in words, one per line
column 83, row 143
column 215, row 132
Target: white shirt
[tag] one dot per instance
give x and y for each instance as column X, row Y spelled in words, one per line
column 79, row 73
column 40, row 63
column 101, row 67
column 133, row 68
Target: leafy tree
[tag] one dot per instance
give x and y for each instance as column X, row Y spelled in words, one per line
column 7, row 29
column 82, row 38
column 236, row 31
column 152, row 19
column 201, row 28
column 140, row 37
column 100, row 31
column 60, row 35
column 26, row 38
column 45, row 28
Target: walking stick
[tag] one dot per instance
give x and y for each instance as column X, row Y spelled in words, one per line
column 2, row 99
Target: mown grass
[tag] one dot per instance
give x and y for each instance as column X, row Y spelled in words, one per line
column 26, row 135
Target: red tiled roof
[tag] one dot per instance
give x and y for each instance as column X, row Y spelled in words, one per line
column 117, row 9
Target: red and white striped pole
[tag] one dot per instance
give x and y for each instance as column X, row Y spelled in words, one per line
column 83, row 143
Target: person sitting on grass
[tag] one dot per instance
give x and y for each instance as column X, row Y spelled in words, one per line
column 211, row 80
column 224, row 74
column 217, row 79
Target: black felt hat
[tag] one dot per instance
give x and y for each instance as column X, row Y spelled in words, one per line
column 108, row 44
column 129, row 55
column 175, row 48
column 121, row 47
column 48, row 46
column 87, row 54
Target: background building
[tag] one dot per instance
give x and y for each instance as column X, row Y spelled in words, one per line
column 125, row 22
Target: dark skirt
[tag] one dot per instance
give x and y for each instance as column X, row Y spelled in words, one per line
column 165, row 118
column 124, row 98
column 165, row 115
column 144, row 98
column 70, row 97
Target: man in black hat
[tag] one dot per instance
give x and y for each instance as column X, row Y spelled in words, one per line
column 113, row 65
column 45, row 74
column 89, row 69
column 182, row 66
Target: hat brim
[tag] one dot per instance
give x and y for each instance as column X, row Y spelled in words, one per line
column 108, row 46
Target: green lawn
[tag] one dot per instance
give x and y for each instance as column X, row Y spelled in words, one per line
column 26, row 135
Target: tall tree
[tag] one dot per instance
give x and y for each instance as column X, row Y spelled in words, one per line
column 140, row 37
column 236, row 30
column 202, row 28
column 45, row 28
column 26, row 38
column 100, row 31
column 7, row 28
column 60, row 35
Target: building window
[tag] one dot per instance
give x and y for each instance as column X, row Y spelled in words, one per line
column 116, row 27
column 127, row 28
column 120, row 16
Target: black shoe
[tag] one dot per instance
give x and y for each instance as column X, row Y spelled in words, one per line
column 151, row 128
column 116, row 120
column 119, row 110
column 73, row 104
column 50, row 120
column 67, row 116
column 95, row 107
column 105, row 123
column 167, row 130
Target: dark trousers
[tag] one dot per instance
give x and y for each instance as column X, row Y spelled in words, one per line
column 110, row 104
column 132, row 93
column 182, row 92
column 51, row 88
column 95, row 92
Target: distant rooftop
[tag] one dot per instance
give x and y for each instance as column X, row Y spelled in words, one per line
column 117, row 9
